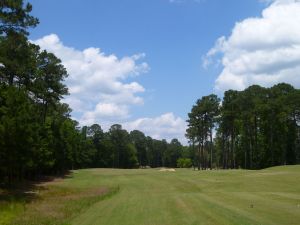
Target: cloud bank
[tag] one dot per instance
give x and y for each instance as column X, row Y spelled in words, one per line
column 97, row 82
column 263, row 50
column 100, row 92
column 166, row 126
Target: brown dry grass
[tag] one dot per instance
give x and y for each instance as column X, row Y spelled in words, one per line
column 55, row 203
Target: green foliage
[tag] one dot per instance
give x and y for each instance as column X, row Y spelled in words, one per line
column 139, row 141
column 256, row 128
column 201, row 122
column 184, row 163
column 172, row 153
column 14, row 16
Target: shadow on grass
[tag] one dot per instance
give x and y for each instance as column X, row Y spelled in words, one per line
column 26, row 191
column 47, row 202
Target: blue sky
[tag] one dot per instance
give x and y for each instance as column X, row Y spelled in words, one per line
column 155, row 58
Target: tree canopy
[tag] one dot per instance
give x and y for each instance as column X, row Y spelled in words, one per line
column 255, row 128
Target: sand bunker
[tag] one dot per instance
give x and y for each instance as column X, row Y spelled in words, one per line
column 167, row 170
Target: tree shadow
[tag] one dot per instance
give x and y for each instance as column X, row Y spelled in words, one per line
column 28, row 190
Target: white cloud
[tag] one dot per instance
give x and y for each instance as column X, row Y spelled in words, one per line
column 263, row 50
column 97, row 82
column 105, row 111
column 100, row 94
column 166, row 126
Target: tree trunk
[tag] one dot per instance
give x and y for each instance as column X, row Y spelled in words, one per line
column 271, row 145
column 199, row 156
column 232, row 151
column 211, row 149
column 223, row 150
column 250, row 152
column 11, row 80
column 245, row 166
column 255, row 141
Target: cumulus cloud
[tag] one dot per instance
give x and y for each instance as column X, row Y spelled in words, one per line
column 100, row 94
column 107, row 111
column 166, row 126
column 97, row 82
column 263, row 50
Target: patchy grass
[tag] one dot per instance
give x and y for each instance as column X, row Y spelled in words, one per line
column 49, row 203
column 13, row 201
column 150, row 197
column 8, row 211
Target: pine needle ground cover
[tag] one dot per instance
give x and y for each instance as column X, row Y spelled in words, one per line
column 155, row 197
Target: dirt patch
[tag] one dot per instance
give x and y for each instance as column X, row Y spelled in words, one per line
column 167, row 170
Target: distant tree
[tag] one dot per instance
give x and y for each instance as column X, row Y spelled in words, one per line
column 96, row 135
column 229, row 127
column 172, row 153
column 139, row 141
column 259, row 127
column 201, row 123
column 124, row 152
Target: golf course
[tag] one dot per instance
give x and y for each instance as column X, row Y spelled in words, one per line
column 166, row 112
column 161, row 197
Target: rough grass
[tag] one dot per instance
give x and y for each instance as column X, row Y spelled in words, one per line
column 49, row 203
column 150, row 197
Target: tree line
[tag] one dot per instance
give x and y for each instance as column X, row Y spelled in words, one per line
column 252, row 129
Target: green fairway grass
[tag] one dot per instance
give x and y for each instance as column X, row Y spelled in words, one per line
column 150, row 197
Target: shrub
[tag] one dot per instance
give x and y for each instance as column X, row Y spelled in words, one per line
column 184, row 163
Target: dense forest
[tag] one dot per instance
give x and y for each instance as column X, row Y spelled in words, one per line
column 254, row 128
